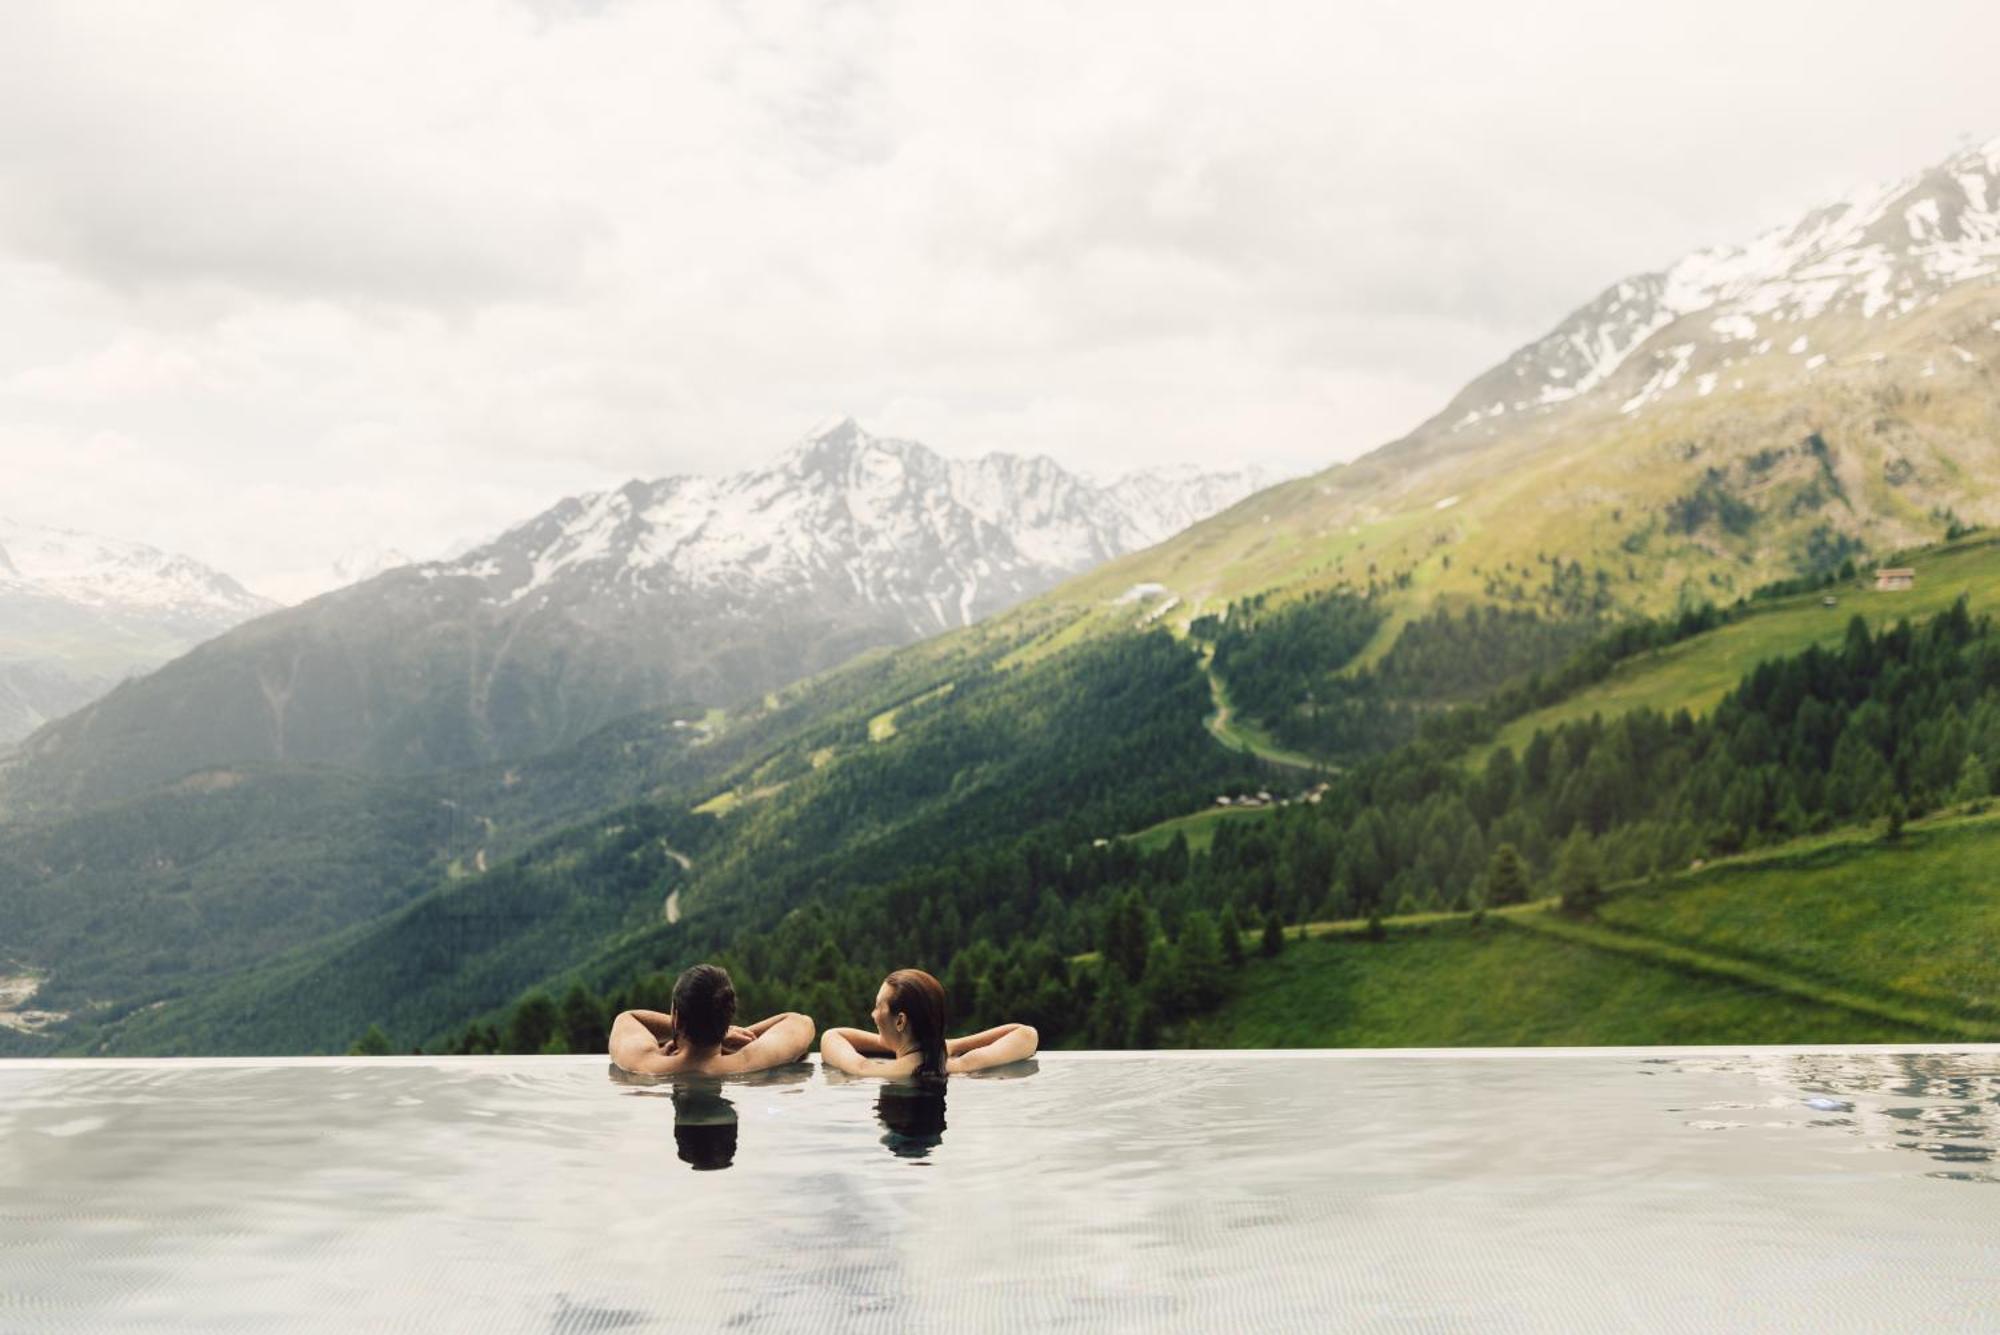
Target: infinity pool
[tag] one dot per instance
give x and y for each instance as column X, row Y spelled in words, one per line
column 1517, row 1190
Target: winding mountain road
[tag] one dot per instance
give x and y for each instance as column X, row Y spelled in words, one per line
column 1220, row 727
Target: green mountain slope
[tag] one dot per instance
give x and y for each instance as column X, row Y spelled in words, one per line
column 163, row 895
column 1696, row 672
column 1105, row 739
column 1701, row 500
column 1847, row 940
column 973, row 840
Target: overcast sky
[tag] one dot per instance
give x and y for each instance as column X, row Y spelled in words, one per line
column 281, row 281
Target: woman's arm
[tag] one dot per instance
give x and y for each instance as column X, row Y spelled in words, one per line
column 784, row 1037
column 658, row 1024
column 634, row 1048
column 770, row 1022
column 864, row 1041
column 739, row 1037
column 995, row 1047
column 958, row 1047
column 841, row 1049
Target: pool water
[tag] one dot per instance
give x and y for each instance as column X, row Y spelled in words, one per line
column 1521, row 1190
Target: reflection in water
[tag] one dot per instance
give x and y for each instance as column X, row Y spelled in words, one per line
column 912, row 1117
column 1929, row 1103
column 705, row 1123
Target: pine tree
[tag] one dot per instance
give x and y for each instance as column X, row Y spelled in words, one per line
column 1201, row 965
column 372, row 1043
column 1974, row 783
column 532, row 1021
column 1127, row 937
column 1506, row 877
column 1231, row 929
column 582, row 1021
column 1274, row 936
column 1579, row 874
column 1111, row 1014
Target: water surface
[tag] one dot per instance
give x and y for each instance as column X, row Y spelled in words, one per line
column 1851, row 1190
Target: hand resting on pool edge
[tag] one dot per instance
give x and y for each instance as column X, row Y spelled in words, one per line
column 909, row 1036
column 699, row 1037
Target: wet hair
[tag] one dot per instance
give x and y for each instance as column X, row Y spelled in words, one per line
column 704, row 1005
column 920, row 998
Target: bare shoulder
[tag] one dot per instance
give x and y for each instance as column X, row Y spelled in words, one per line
column 635, row 1049
column 650, row 1063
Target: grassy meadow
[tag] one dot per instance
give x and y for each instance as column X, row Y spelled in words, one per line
column 1843, row 939
column 1495, row 984
column 1698, row 672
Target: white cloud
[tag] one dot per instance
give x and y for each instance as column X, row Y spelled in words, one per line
column 341, row 276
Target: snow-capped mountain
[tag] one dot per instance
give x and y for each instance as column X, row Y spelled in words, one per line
column 1160, row 502
column 78, row 613
column 845, row 515
column 123, row 582
column 360, row 563
column 1799, row 292
column 682, row 593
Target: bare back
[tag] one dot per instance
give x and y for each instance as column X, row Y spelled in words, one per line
column 775, row 1041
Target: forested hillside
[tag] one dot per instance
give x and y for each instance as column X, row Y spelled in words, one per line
column 1108, row 945
column 1020, row 769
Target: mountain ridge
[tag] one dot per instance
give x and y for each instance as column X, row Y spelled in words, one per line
column 1748, row 414
column 1885, row 249
column 685, row 593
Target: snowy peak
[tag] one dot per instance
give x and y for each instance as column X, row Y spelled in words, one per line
column 366, row 562
column 1878, row 254
column 843, row 515
column 78, row 613
column 126, row 581
column 1160, row 502
column 1882, row 250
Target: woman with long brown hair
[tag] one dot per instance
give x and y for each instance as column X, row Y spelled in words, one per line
column 909, row 1036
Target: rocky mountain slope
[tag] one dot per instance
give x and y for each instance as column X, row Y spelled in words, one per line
column 78, row 613
column 687, row 593
column 1793, row 296
column 922, row 541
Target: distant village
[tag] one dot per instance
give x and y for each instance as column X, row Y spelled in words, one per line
column 1263, row 798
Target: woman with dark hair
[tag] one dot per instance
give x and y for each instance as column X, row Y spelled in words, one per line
column 698, row 1036
column 909, row 1036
